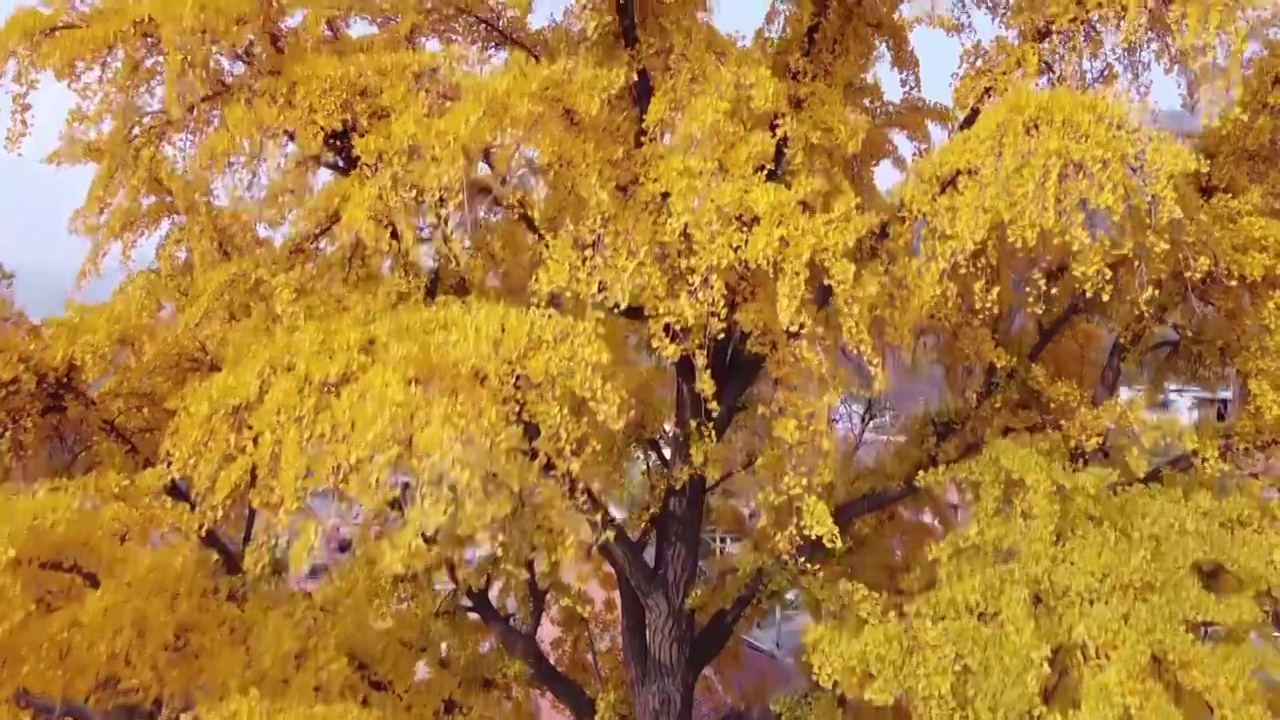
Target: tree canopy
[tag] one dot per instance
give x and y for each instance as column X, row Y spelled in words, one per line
column 546, row 301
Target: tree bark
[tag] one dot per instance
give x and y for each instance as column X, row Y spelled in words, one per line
column 662, row 687
column 664, row 697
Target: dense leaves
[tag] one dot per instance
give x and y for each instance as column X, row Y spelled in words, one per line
column 460, row 323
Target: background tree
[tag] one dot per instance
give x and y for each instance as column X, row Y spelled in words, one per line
column 428, row 239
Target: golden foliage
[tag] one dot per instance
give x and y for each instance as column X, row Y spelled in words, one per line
column 545, row 271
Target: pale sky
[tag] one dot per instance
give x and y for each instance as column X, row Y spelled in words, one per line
column 36, row 201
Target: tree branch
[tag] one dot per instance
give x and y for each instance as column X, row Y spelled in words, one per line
column 1182, row 462
column 635, row 632
column 678, row 524
column 655, row 447
column 524, row 647
column 506, row 37
column 879, row 236
column 781, row 146
column 88, row 578
column 618, row 548
column 45, row 709
column 642, row 86
column 750, row 463
column 230, row 558
column 1051, row 331
column 734, row 370
column 537, row 596
column 715, row 634
column 1109, row 379
column 64, row 388
column 847, row 512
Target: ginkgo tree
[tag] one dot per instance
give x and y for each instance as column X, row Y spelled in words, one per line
column 622, row 258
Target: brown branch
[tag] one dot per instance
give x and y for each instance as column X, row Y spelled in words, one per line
column 715, row 634
column 504, row 35
column 655, row 447
column 782, row 144
column 43, row 708
column 618, row 548
column 230, row 558
column 60, row 28
column 635, row 624
column 734, row 370
column 1109, row 379
column 624, row 553
column 750, row 463
column 65, row 388
column 371, row 679
column 678, row 522
column 642, row 86
column 1051, row 331
column 1182, row 462
column 537, row 596
column 88, row 578
column 880, row 235
column 524, row 647
column 847, row 512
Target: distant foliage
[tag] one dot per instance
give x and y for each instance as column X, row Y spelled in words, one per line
column 622, row 261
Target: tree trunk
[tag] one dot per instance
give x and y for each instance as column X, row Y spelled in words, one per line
column 662, row 669
column 664, row 698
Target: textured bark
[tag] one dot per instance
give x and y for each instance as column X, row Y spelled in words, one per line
column 663, row 687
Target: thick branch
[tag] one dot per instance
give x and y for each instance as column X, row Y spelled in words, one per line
column 618, row 548
column 678, row 525
column 45, row 709
column 635, row 649
column 1051, row 331
column 715, row 634
column 1109, row 380
column 655, row 448
column 734, row 370
column 230, row 558
column 642, row 86
column 847, row 512
column 782, row 142
column 524, row 647
column 537, row 596
column 1183, row 462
